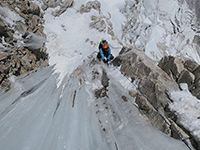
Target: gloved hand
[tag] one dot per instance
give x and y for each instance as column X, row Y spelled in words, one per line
column 105, row 61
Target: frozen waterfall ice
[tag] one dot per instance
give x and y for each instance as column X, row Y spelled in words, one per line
column 36, row 114
column 55, row 108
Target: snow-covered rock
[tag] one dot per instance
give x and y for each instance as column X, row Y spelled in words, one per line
column 90, row 5
column 58, row 106
column 22, row 39
column 62, row 5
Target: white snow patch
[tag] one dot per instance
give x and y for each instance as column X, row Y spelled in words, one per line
column 187, row 107
column 9, row 17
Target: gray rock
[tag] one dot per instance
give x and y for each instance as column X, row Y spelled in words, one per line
column 21, row 27
column 110, row 31
column 143, row 104
column 44, row 7
column 117, row 61
column 190, row 65
column 51, row 3
column 33, row 23
column 186, row 77
column 196, row 40
column 64, row 6
column 27, row 7
column 45, row 63
column 188, row 73
column 154, row 82
column 5, row 85
column 182, row 134
column 124, row 50
column 2, row 76
column 153, row 85
column 178, row 66
column 90, row 5
column 156, row 120
column 16, row 63
column 9, row 34
column 196, row 73
column 98, row 23
column 23, row 70
column 34, row 9
column 38, row 30
column 4, row 56
column 171, row 65
column 36, row 20
column 25, row 60
column 2, row 27
column 5, row 68
column 195, row 89
column 99, row 93
column 109, row 22
column 133, row 93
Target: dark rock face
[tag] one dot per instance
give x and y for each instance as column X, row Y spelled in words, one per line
column 183, row 72
column 17, row 59
column 171, row 65
column 186, row 77
column 153, row 85
column 153, row 81
column 190, row 74
column 2, row 26
column 190, row 65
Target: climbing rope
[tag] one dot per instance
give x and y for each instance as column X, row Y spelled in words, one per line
column 153, row 107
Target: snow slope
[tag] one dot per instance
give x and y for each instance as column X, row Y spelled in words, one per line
column 55, row 107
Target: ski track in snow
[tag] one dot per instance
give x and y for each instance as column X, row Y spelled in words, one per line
column 55, row 108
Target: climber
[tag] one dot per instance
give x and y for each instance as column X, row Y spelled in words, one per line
column 104, row 52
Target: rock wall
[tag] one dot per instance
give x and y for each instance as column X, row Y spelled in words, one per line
column 154, row 83
column 183, row 72
column 22, row 42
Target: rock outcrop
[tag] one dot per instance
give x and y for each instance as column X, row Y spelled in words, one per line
column 153, row 81
column 90, row 5
column 62, row 4
column 172, row 66
column 183, row 72
column 22, row 42
column 153, row 84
